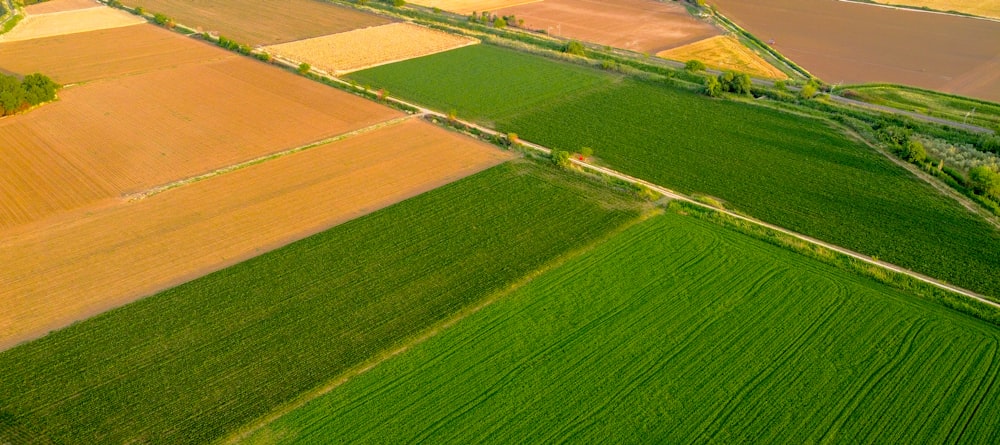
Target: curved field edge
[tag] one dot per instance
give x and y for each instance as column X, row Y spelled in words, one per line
column 797, row 172
column 200, row 360
column 678, row 331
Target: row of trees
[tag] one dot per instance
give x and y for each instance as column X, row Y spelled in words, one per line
column 17, row 95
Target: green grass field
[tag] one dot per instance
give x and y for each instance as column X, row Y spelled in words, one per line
column 194, row 362
column 793, row 171
column 956, row 108
column 678, row 331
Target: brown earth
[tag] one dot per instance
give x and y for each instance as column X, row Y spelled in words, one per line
column 51, row 6
column 470, row 6
column 105, row 54
column 102, row 258
column 364, row 48
column 647, row 26
column 724, row 53
column 69, row 22
column 256, row 22
column 982, row 8
column 853, row 43
column 109, row 138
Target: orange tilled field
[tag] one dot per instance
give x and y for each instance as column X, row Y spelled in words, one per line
column 102, row 258
column 105, row 53
column 648, row 26
column 118, row 136
column 70, row 22
column 256, row 22
column 50, row 6
column 852, row 43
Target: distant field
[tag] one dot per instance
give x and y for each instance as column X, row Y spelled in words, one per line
column 197, row 361
column 959, row 109
column 858, row 43
column 50, row 6
column 69, row 22
column 106, row 139
column 788, row 170
column 506, row 82
column 253, row 22
column 677, row 331
column 103, row 54
column 99, row 257
column 725, row 53
column 364, row 48
column 646, row 26
column 469, row 6
column 983, row 8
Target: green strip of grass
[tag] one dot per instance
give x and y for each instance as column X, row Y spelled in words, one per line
column 678, row 331
column 932, row 103
column 793, row 171
column 198, row 361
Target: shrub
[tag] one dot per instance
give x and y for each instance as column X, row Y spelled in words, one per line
column 694, row 65
column 913, row 151
column 713, row 87
column 561, row 158
column 575, row 48
column 985, row 181
column 304, row 68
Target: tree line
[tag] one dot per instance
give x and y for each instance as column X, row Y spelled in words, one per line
column 17, row 95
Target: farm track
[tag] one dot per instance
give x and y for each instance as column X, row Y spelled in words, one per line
column 917, row 9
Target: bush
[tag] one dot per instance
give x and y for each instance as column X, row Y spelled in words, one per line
column 985, row 181
column 913, row 151
column 575, row 48
column 163, row 20
column 304, row 68
column 713, row 87
column 694, row 65
column 560, row 158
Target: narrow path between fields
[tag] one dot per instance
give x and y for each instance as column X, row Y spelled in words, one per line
column 919, row 9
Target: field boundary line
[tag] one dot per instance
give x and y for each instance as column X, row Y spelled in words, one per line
column 427, row 334
column 918, row 9
column 261, row 159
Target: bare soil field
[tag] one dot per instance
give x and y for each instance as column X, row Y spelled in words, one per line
column 69, row 22
column 104, row 54
column 724, row 53
column 855, row 43
column 647, row 26
column 470, row 6
column 51, row 6
column 118, row 136
column 255, row 22
column 364, row 48
column 982, row 8
column 92, row 261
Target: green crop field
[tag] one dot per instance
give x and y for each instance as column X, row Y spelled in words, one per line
column 793, row 171
column 678, row 331
column 197, row 361
column 503, row 82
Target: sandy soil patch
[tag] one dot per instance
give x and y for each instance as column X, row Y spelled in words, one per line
column 119, row 136
column 257, row 22
column 647, row 26
column 982, row 8
column 108, row 257
column 725, row 53
column 51, row 6
column 470, row 6
column 855, row 43
column 105, row 53
column 70, row 22
column 363, row 48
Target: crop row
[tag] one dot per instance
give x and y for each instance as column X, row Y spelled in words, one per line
column 794, row 171
column 199, row 360
column 676, row 331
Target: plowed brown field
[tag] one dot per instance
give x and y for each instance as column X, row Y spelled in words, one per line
column 105, row 54
column 363, row 48
column 119, row 136
column 69, row 22
column 469, row 6
column 256, row 22
column 51, row 6
column 853, row 43
column 646, row 26
column 108, row 257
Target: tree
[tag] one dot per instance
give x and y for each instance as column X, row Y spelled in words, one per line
column 560, row 158
column 575, row 48
column 694, row 66
column 499, row 23
column 913, row 151
column 713, row 87
column 304, row 68
column 586, row 152
column 808, row 91
column 985, row 180
column 733, row 82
